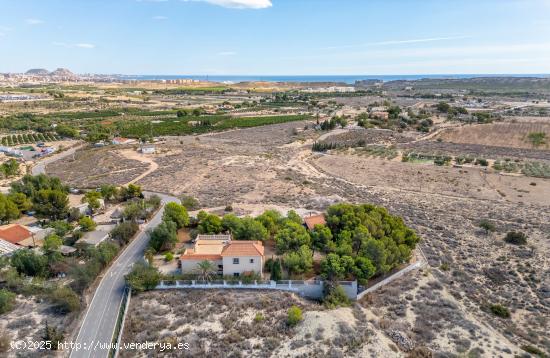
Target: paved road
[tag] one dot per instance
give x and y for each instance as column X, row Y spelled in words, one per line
column 40, row 167
column 96, row 332
column 101, row 316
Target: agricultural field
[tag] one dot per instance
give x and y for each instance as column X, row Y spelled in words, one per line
column 28, row 138
column 198, row 125
column 478, row 296
column 504, row 134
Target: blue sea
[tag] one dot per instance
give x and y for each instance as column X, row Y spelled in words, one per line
column 349, row 79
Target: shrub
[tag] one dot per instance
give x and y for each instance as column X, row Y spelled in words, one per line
column 143, row 277
column 335, row 297
column 65, row 299
column 259, row 317
column 7, row 301
column 190, row 203
column 294, row 316
column 87, row 224
column 53, row 335
column 168, row 257
column 124, row 231
column 487, row 226
column 516, row 238
column 533, row 350
column 30, row 263
column 499, row 311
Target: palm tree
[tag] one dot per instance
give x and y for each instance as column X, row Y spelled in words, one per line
column 205, row 270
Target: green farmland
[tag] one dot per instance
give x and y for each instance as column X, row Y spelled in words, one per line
column 197, row 125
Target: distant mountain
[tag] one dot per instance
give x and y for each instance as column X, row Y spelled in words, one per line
column 62, row 72
column 38, row 71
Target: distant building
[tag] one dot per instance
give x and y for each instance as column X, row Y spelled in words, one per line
column 96, row 237
column 148, row 149
column 24, row 236
column 120, row 140
column 380, row 115
column 7, row 248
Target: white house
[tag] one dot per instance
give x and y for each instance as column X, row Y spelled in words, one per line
column 148, row 149
column 230, row 257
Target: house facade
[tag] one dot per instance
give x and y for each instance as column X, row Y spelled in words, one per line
column 229, row 257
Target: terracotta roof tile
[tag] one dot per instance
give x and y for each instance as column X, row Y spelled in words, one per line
column 313, row 220
column 14, row 233
column 199, row 257
column 244, row 248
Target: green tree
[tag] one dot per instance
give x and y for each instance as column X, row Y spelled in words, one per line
column 363, row 269
column 210, row 224
column 50, row 203
column 87, row 223
column 23, row 203
column 66, row 131
column 143, row 277
column 271, row 220
column 51, row 243
column 231, row 223
column 61, row 227
column 321, row 238
column 294, row 217
column 133, row 212
column 8, row 209
column 109, row 192
column 10, row 168
column 276, row 273
column 205, row 270
column 30, row 263
column 176, row 213
column 291, row 237
column 92, row 198
column 123, row 232
column 164, row 236
column 30, row 185
column 443, row 107
column 300, row 261
column 332, row 268
column 251, row 229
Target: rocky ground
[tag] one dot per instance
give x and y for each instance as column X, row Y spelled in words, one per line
column 444, row 309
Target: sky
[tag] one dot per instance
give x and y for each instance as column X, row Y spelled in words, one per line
column 276, row 37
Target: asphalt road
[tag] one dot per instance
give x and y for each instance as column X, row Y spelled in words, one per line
column 97, row 329
column 96, row 332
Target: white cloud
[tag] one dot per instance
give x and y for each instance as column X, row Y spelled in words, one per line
column 159, row 18
column 34, row 21
column 227, row 53
column 398, row 42
column 85, row 45
column 79, row 45
column 239, row 4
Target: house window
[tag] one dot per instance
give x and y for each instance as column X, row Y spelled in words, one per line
column 235, row 274
column 251, row 261
column 235, row 261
